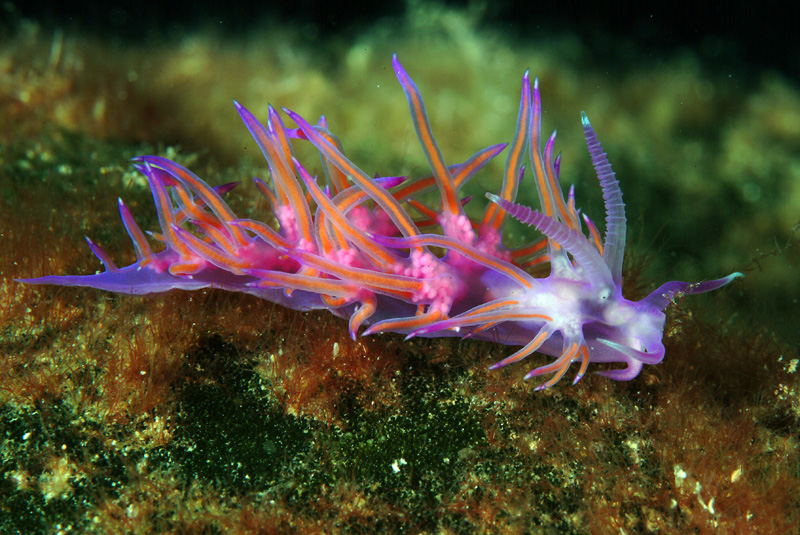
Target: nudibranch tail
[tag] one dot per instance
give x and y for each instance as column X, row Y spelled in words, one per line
column 350, row 244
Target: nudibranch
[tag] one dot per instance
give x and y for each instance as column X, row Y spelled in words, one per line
column 347, row 243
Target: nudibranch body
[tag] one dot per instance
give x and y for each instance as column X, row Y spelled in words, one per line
column 350, row 246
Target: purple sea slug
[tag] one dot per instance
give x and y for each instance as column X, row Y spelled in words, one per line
column 347, row 243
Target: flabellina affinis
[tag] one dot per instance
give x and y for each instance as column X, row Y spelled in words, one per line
column 347, row 243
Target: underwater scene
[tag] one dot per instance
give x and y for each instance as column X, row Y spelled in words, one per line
column 251, row 283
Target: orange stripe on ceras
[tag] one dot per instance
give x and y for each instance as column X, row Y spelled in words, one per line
column 541, row 181
column 550, row 194
column 447, row 186
column 495, row 215
column 334, row 302
column 533, row 262
column 584, row 351
column 337, row 178
column 220, row 239
column 347, row 200
column 364, row 312
column 264, row 141
column 535, row 152
column 321, row 231
column 330, row 237
column 493, row 262
column 595, row 234
column 213, row 254
column 166, row 217
column 191, row 208
column 562, row 362
column 407, row 190
column 484, row 327
column 384, row 198
column 266, row 192
column 372, row 279
column 339, row 220
column 477, row 161
column 205, row 192
column 144, row 253
column 287, row 188
column 566, row 216
column 560, row 367
column 280, row 134
column 488, row 307
column 529, row 348
column 424, row 210
column 283, row 177
column 263, row 231
column 537, row 246
column 460, row 174
column 184, row 268
column 317, row 285
column 407, row 323
column 555, row 378
column 513, row 316
column 377, row 192
column 465, row 321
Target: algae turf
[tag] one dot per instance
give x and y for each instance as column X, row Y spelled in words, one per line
column 420, row 446
column 56, row 466
column 229, row 432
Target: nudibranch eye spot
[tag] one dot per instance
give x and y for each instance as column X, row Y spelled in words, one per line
column 367, row 249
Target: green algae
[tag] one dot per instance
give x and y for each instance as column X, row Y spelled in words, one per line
column 231, row 433
column 61, row 466
column 412, row 454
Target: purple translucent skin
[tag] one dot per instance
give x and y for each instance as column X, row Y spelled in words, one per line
column 356, row 250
